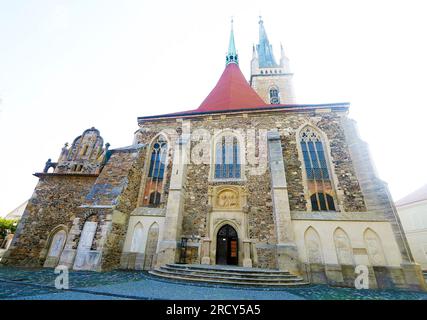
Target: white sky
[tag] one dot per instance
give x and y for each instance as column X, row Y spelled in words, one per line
column 66, row 66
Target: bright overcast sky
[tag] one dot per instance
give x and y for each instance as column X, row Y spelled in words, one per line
column 69, row 65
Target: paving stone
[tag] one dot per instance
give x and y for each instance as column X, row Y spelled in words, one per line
column 38, row 284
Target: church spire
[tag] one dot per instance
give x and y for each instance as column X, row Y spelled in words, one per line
column 254, row 53
column 264, row 48
column 284, row 61
column 232, row 56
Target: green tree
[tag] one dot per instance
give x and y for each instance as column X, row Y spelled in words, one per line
column 7, row 225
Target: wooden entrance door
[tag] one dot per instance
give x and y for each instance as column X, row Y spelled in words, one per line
column 227, row 246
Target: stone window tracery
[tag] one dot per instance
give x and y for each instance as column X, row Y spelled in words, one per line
column 156, row 172
column 317, row 172
column 227, row 158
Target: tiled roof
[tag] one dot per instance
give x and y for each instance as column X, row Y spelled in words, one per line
column 231, row 92
column 416, row 196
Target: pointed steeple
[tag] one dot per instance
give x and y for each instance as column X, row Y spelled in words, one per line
column 264, row 48
column 232, row 91
column 284, row 61
column 232, row 56
column 254, row 53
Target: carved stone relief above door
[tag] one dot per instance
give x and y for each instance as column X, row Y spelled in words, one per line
column 227, row 197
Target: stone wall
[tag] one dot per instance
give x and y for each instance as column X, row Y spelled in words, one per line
column 266, row 256
column 125, row 204
column 353, row 198
column 293, row 170
column 54, row 202
column 110, row 201
column 196, row 201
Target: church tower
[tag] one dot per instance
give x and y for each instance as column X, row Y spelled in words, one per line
column 271, row 80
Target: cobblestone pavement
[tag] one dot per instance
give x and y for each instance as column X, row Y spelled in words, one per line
column 30, row 284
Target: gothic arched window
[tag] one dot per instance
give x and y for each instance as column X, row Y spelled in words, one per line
column 227, row 159
column 317, row 172
column 274, row 96
column 314, row 156
column 156, row 172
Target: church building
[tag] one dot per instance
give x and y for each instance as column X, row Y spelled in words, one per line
column 249, row 178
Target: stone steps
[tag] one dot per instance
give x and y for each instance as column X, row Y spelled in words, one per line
column 229, row 275
column 226, row 268
column 236, row 273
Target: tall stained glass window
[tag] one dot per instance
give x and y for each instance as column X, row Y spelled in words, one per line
column 317, row 172
column 227, row 160
column 156, row 172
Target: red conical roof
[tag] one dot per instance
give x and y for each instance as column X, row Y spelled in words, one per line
column 231, row 92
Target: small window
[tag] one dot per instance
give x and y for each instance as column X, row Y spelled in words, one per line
column 274, row 96
column 154, row 198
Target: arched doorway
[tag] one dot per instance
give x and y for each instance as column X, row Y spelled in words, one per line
column 227, row 246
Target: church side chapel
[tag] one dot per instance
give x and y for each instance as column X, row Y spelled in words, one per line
column 248, row 179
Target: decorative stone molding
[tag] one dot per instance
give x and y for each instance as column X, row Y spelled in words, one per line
column 148, row 211
column 338, row 216
column 217, row 221
column 227, row 198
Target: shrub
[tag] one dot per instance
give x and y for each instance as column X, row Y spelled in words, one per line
column 7, row 224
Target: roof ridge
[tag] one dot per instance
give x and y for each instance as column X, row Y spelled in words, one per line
column 418, row 195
